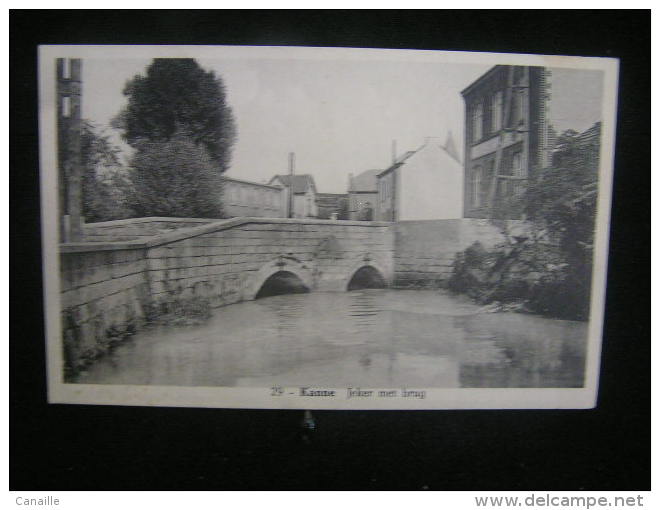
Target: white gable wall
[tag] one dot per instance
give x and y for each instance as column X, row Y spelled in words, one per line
column 304, row 205
column 431, row 186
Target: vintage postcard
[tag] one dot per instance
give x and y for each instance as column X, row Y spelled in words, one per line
column 324, row 228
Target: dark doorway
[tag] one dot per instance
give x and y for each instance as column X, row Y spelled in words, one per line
column 282, row 282
column 366, row 278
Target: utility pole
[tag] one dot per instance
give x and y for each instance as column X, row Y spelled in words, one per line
column 292, row 164
column 69, row 124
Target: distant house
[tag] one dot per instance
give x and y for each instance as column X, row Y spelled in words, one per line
column 423, row 184
column 245, row 198
column 363, row 195
column 332, row 203
column 304, row 194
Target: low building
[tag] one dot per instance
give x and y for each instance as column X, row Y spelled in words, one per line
column 245, row 198
column 424, row 184
column 304, row 194
column 332, row 205
column 363, row 196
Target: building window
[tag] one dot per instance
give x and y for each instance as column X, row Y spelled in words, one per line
column 496, row 111
column 520, row 110
column 518, row 73
column 66, row 106
column 476, row 186
column 66, row 68
column 491, row 170
column 516, row 165
column 477, row 121
column 516, row 187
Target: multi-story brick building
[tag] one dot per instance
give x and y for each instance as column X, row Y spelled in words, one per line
column 506, row 138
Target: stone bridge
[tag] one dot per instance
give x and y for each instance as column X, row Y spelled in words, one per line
column 109, row 288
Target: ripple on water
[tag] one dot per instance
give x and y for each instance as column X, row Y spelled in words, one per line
column 368, row 338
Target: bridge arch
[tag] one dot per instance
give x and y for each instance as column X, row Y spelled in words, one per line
column 375, row 268
column 282, row 264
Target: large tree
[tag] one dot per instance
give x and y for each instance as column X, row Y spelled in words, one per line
column 104, row 183
column 174, row 96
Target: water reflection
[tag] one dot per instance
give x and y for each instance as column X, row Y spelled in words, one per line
column 367, row 338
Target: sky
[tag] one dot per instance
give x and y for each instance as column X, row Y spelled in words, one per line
column 337, row 116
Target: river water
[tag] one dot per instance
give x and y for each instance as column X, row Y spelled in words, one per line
column 367, row 338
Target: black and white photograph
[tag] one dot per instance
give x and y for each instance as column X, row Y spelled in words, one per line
column 324, row 228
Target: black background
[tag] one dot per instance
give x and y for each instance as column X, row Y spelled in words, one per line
column 71, row 447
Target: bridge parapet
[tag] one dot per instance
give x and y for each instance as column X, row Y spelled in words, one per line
column 231, row 259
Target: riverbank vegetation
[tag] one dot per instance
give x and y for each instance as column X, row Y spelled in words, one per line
column 547, row 268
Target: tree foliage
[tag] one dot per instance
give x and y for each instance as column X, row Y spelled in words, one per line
column 174, row 178
column 104, row 183
column 548, row 270
column 176, row 95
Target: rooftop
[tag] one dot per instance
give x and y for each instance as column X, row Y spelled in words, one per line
column 365, row 182
column 301, row 183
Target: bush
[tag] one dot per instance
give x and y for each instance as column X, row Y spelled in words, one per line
column 175, row 178
column 549, row 271
column 527, row 273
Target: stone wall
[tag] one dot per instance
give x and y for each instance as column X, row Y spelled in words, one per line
column 425, row 250
column 103, row 291
column 137, row 228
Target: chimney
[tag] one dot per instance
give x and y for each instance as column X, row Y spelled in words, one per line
column 393, row 151
column 292, row 164
column 450, row 147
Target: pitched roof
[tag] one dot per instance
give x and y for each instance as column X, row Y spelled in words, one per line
column 398, row 162
column 251, row 183
column 449, row 149
column 364, row 182
column 301, row 182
